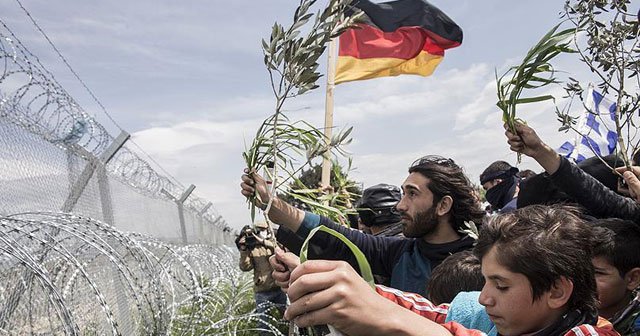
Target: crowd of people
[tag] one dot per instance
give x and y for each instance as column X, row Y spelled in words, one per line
column 557, row 253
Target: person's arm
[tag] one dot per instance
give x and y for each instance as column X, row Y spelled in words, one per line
column 245, row 263
column 382, row 253
column 331, row 292
column 293, row 242
column 415, row 303
column 580, row 186
column 598, row 199
column 280, row 212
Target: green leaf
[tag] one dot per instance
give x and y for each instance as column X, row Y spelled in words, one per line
column 363, row 264
column 533, row 99
column 301, row 22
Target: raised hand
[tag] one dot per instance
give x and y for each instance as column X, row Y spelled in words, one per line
column 253, row 184
column 526, row 141
column 631, row 178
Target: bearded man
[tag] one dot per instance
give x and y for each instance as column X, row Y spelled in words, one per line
column 437, row 207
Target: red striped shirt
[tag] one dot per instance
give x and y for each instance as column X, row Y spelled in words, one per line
column 438, row 314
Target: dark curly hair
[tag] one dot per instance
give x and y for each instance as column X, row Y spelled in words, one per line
column 447, row 178
column 459, row 272
column 620, row 244
column 545, row 243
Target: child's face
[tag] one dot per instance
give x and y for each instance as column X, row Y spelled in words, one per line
column 612, row 288
column 508, row 299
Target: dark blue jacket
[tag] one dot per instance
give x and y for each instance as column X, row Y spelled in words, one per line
column 407, row 261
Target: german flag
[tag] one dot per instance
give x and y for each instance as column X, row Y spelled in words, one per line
column 399, row 37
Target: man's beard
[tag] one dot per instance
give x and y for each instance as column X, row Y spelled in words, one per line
column 422, row 224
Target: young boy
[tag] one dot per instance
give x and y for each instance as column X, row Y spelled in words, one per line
column 617, row 266
column 459, row 272
column 539, row 281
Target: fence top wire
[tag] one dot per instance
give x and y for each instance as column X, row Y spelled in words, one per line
column 32, row 98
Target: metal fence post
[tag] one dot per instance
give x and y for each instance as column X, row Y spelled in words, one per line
column 103, row 181
column 124, row 316
column 202, row 221
column 180, row 203
column 81, row 183
column 77, row 186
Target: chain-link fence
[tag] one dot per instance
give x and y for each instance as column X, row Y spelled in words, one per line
column 93, row 240
column 55, row 157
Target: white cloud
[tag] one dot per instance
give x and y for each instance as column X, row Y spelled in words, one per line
column 409, row 97
column 483, row 104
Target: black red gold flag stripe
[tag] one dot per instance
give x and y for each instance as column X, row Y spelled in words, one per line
column 399, row 37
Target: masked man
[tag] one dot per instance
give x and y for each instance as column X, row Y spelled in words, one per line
column 501, row 182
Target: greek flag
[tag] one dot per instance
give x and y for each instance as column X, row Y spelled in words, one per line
column 596, row 130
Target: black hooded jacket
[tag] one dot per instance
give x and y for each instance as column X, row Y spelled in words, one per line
column 599, row 200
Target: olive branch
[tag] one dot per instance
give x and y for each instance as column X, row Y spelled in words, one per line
column 609, row 45
column 291, row 59
column 610, row 49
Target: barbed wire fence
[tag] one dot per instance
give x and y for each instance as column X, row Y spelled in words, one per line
column 93, row 240
column 53, row 143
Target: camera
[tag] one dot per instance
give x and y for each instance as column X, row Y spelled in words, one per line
column 250, row 239
column 246, row 239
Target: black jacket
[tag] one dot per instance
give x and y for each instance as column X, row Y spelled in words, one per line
column 599, row 200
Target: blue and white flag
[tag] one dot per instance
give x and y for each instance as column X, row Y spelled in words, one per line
column 596, row 130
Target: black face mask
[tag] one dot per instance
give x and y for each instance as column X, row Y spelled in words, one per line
column 501, row 193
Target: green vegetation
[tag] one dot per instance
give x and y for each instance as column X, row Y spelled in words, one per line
column 534, row 72
column 305, row 193
column 225, row 308
column 605, row 36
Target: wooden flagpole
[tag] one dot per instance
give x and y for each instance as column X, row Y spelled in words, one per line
column 328, row 112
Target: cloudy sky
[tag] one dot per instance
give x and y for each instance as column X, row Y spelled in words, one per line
column 186, row 79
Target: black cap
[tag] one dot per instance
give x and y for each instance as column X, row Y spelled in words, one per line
column 380, row 199
column 380, row 196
